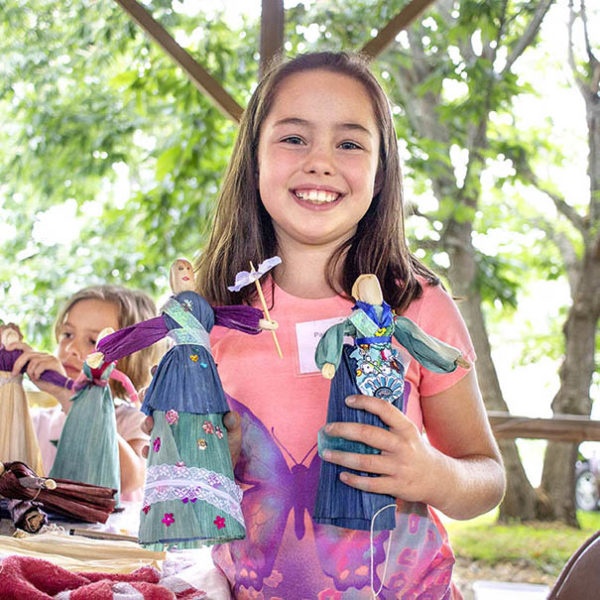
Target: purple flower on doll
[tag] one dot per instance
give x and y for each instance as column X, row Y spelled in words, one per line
column 168, row 519
column 219, row 432
column 146, row 509
column 219, row 522
column 171, row 417
column 208, row 427
column 156, row 444
column 214, row 480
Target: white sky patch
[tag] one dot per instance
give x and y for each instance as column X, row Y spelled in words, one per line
column 57, row 225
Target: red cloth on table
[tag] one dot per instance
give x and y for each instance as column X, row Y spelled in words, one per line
column 27, row 578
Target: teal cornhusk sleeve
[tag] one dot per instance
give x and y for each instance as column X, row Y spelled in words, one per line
column 329, row 348
column 433, row 354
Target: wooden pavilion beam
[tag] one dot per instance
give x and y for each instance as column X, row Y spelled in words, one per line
column 271, row 33
column 559, row 428
column 400, row 22
column 199, row 76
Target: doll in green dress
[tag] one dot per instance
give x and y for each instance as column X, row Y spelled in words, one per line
column 190, row 496
column 370, row 367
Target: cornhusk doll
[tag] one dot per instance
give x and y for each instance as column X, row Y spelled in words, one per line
column 18, row 441
column 88, row 450
column 370, row 367
column 190, row 497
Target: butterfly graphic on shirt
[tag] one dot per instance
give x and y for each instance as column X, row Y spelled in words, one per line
column 271, row 491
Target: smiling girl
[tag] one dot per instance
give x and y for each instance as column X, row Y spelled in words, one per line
column 315, row 179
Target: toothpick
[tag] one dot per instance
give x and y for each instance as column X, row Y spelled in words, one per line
column 266, row 310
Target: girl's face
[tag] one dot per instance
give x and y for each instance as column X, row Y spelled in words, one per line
column 79, row 331
column 317, row 158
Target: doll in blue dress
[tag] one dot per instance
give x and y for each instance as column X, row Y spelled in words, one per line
column 190, row 496
column 370, row 367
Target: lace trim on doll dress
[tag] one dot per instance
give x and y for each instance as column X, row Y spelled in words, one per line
column 191, row 330
column 188, row 484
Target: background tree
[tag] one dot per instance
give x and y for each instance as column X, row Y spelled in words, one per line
column 576, row 236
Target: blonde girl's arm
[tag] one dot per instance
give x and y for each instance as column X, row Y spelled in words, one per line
column 37, row 363
column 132, row 464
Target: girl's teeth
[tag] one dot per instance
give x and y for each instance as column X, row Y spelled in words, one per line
column 318, row 196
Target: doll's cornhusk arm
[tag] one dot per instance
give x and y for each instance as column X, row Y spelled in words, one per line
column 433, row 354
column 127, row 384
column 329, row 348
column 240, row 317
column 130, row 339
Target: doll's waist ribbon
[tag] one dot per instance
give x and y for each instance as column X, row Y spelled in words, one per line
column 191, row 330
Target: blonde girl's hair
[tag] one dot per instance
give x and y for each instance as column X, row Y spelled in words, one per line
column 133, row 306
column 243, row 230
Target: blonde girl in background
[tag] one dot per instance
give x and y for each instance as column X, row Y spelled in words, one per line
column 76, row 328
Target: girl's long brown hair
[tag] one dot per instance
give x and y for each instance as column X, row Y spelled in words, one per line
column 243, row 230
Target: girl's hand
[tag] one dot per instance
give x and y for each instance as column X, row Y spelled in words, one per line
column 406, row 463
column 38, row 363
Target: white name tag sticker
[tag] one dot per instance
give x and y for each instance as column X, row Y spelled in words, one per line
column 308, row 335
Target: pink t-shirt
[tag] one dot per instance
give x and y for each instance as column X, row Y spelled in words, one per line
column 283, row 403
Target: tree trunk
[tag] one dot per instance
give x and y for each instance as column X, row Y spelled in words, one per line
column 573, row 396
column 520, row 499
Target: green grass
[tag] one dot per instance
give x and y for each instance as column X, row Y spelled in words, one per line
column 547, row 546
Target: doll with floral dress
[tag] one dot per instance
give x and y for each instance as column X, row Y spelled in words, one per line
column 370, row 367
column 190, row 496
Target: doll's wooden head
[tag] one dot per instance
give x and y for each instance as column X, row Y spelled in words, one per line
column 9, row 334
column 366, row 288
column 181, row 276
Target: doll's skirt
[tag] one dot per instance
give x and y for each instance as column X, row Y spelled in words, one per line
column 190, row 497
column 88, row 449
column 337, row 503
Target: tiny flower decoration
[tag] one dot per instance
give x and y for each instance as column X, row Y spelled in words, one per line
column 202, row 445
column 219, row 432
column 146, row 509
column 156, row 444
column 219, row 522
column 168, row 519
column 180, row 463
column 194, row 357
column 208, row 427
column 171, row 417
column 380, row 331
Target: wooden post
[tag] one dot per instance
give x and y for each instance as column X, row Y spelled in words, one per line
column 271, row 33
